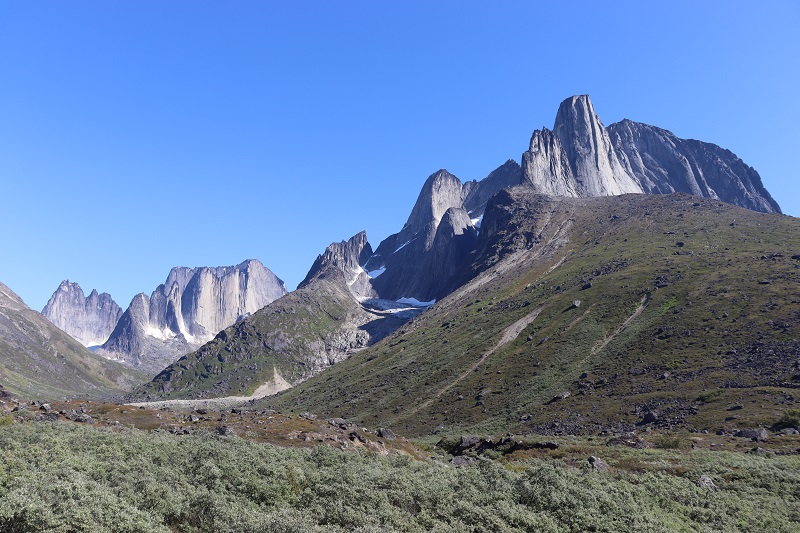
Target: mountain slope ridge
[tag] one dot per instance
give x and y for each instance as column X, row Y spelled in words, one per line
column 38, row 360
column 624, row 286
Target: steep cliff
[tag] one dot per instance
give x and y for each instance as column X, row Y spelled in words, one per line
column 188, row 310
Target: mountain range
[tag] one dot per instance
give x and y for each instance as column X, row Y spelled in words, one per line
column 88, row 319
column 612, row 278
column 456, row 235
column 180, row 315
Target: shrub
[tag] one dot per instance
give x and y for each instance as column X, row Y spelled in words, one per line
column 672, row 441
column 790, row 418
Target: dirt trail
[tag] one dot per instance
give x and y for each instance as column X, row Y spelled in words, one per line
column 509, row 334
column 602, row 344
column 273, row 386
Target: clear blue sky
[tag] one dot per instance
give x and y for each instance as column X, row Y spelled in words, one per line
column 140, row 135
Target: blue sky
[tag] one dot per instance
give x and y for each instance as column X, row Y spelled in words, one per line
column 136, row 135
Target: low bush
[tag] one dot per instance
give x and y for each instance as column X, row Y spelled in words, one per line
column 64, row 477
column 790, row 419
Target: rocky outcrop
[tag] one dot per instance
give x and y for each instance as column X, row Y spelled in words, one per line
column 89, row 320
column 346, row 257
column 594, row 163
column 581, row 158
column 546, row 168
column 665, row 164
column 440, row 192
column 577, row 158
column 189, row 309
column 419, row 261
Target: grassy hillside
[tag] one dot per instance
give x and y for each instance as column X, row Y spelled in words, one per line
column 61, row 477
column 38, row 360
column 586, row 315
column 296, row 336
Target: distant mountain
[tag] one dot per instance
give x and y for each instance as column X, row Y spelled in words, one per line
column 38, row 360
column 188, row 310
column 89, row 320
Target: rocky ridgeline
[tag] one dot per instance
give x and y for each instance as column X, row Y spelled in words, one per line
column 188, row 310
column 183, row 313
column 580, row 158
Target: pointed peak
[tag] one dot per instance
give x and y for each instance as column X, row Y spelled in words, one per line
column 509, row 166
column 577, row 101
column 574, row 111
column 441, row 175
column 345, row 257
column 248, row 264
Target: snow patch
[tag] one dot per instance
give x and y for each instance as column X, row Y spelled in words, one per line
column 477, row 221
column 160, row 334
column 402, row 246
column 376, row 273
column 415, row 302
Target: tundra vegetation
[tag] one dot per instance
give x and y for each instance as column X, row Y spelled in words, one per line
column 68, row 477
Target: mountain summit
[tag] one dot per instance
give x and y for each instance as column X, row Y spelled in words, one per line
column 581, row 158
column 89, row 320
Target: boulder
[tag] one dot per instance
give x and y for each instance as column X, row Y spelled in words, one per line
column 706, row 482
column 757, row 435
column 387, row 434
column 596, row 463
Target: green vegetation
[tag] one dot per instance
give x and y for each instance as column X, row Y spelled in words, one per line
column 38, row 360
column 790, row 418
column 283, row 337
column 64, row 477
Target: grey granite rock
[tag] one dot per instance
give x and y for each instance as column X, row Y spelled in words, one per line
column 89, row 320
column 663, row 163
column 188, row 310
column 595, row 166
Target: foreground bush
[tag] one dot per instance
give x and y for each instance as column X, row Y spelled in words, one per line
column 63, row 477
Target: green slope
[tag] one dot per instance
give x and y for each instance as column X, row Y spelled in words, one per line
column 38, row 360
column 688, row 307
column 294, row 337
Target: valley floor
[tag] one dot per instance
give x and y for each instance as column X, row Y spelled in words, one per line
column 81, row 466
column 273, row 386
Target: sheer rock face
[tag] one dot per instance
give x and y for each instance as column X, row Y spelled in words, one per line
column 664, row 164
column 581, row 158
column 440, row 192
column 189, row 309
column 577, row 158
column 595, row 166
column 546, row 167
column 89, row 320
column 418, row 261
